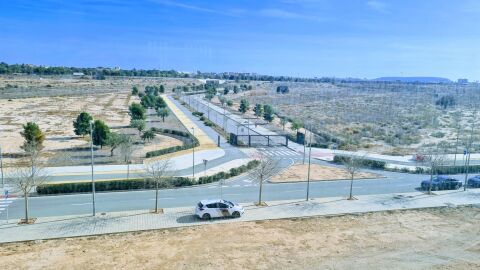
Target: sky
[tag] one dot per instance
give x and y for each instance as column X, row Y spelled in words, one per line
column 305, row 38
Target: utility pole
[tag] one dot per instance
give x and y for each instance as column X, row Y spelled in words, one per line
column 193, row 155
column 91, row 156
column 309, row 163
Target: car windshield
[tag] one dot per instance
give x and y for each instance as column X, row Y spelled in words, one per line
column 229, row 203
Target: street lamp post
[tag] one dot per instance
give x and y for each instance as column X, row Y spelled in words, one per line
column 91, row 156
column 205, row 167
column 1, row 167
column 193, row 155
column 309, row 163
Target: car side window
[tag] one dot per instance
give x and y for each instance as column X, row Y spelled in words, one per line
column 222, row 205
column 212, row 205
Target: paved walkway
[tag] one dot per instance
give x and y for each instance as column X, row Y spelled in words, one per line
column 71, row 226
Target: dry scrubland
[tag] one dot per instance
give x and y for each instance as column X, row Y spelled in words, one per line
column 447, row 238
column 298, row 173
column 55, row 102
column 384, row 118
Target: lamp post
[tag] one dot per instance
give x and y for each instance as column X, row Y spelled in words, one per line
column 1, row 167
column 193, row 155
column 205, row 167
column 91, row 156
column 309, row 163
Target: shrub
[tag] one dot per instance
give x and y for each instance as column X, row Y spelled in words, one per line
column 366, row 163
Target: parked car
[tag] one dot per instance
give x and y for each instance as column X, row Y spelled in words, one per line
column 207, row 209
column 474, row 182
column 441, row 183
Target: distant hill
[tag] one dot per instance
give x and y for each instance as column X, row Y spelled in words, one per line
column 413, row 79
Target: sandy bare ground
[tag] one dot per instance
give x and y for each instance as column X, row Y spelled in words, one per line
column 298, row 173
column 447, row 238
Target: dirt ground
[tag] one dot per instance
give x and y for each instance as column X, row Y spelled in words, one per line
column 298, row 173
column 447, row 238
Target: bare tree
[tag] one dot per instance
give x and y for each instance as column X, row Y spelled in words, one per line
column 352, row 164
column 157, row 172
column 26, row 179
column 126, row 151
column 433, row 159
column 267, row 168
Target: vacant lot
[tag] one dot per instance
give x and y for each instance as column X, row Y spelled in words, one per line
column 393, row 118
column 299, row 172
column 416, row 239
column 54, row 103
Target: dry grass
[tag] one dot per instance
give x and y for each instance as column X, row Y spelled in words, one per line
column 298, row 173
column 415, row 239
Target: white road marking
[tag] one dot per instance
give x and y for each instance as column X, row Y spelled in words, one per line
column 231, row 194
column 295, row 190
column 236, row 185
column 77, row 204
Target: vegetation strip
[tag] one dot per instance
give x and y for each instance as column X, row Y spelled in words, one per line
column 137, row 184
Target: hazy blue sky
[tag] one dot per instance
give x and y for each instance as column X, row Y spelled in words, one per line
column 356, row 38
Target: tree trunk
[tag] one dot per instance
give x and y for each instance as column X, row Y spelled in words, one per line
column 156, row 196
column 25, row 195
column 111, row 152
column 431, row 180
column 128, row 170
column 351, row 187
column 260, row 191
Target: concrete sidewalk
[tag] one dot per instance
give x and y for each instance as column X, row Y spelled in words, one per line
column 72, row 226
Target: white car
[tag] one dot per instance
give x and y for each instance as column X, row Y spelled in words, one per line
column 207, row 209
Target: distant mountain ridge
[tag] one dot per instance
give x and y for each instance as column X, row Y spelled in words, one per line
column 413, row 79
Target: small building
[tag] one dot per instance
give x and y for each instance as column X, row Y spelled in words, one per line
column 462, row 81
column 78, row 74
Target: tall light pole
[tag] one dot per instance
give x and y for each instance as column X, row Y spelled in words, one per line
column 193, row 155
column 91, row 156
column 1, row 167
column 309, row 163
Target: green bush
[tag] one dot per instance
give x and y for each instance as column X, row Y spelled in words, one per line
column 232, row 173
column 199, row 114
column 111, row 185
column 366, row 163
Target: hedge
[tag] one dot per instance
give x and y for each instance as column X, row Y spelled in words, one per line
column 173, row 149
column 366, row 163
column 231, row 173
column 136, row 184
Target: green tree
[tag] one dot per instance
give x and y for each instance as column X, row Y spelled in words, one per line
column 160, row 103
column 229, row 103
column 222, row 100
column 162, row 88
column 226, row 90
column 139, row 124
column 137, row 111
column 148, row 135
column 268, row 113
column 283, row 122
column 163, row 112
column 296, row 126
column 236, row 89
column 258, row 110
column 148, row 101
column 244, row 106
column 114, row 140
column 135, row 91
column 32, row 135
column 81, row 125
column 101, row 132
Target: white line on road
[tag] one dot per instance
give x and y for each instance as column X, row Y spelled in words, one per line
column 162, row 198
column 231, row 194
column 81, row 203
column 295, row 190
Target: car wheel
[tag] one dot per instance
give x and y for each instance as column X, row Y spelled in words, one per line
column 236, row 214
column 206, row 216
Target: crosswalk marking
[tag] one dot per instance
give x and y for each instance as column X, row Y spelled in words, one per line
column 278, row 152
column 4, row 203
